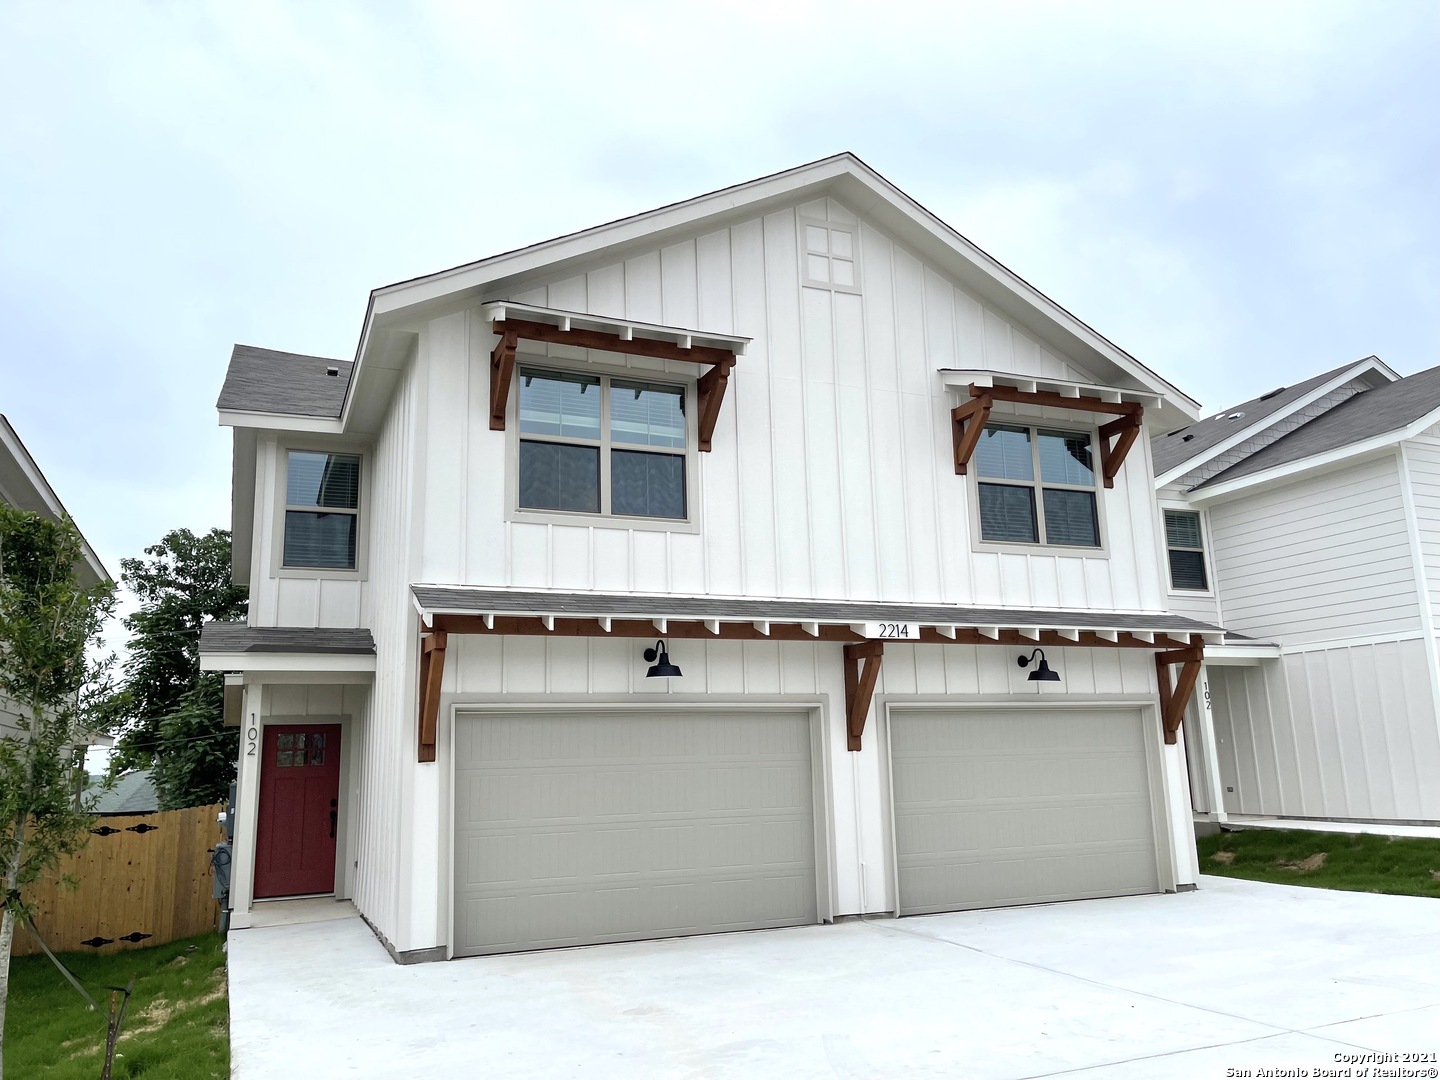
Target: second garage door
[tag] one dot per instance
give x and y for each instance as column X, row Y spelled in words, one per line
column 576, row 828
column 1022, row 807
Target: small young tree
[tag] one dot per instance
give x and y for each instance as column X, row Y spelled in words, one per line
column 49, row 622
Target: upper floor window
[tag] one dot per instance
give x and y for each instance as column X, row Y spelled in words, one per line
column 322, row 509
column 1036, row 486
column 602, row 445
column 1186, row 546
column 830, row 256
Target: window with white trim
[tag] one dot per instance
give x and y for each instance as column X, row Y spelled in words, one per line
column 1185, row 544
column 597, row 444
column 830, row 255
column 1036, row 486
column 322, row 510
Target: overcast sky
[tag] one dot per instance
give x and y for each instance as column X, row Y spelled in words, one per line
column 1241, row 195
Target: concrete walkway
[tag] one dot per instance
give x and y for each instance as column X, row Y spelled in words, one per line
column 1239, row 975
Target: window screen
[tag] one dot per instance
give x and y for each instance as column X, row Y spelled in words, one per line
column 324, row 537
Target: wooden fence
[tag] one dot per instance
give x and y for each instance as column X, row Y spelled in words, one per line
column 141, row 881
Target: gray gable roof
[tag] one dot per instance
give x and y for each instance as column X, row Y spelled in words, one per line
column 238, row 637
column 1387, row 409
column 133, row 793
column 289, row 384
column 1179, row 446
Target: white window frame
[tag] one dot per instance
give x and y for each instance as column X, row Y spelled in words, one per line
column 1170, row 586
column 280, row 505
column 1036, row 425
column 831, row 227
column 602, row 518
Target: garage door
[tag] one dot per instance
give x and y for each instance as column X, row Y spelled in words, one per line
column 578, row 828
column 1020, row 807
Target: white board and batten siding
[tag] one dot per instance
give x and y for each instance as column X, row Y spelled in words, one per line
column 831, row 474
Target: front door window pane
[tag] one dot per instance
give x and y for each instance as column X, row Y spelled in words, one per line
column 557, row 404
column 556, row 476
column 1007, row 513
column 643, row 414
column 1070, row 518
column 647, row 485
column 1004, row 454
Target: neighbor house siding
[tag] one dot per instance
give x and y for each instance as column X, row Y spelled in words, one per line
column 1325, row 558
column 1422, row 457
column 832, row 472
column 1330, row 733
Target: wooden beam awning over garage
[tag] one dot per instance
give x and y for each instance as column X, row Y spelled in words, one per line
column 525, row 322
column 458, row 609
column 982, row 389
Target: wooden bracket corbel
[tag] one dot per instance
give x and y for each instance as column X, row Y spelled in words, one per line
column 967, row 423
column 432, row 671
column 502, row 369
column 712, row 393
column 1124, row 431
column 860, row 686
column 1174, row 700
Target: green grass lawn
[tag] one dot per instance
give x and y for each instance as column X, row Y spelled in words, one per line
column 1359, row 863
column 177, row 1026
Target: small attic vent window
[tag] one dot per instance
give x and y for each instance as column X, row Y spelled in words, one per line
column 333, row 372
column 1272, row 393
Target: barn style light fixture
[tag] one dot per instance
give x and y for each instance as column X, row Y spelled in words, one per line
column 1042, row 672
column 660, row 665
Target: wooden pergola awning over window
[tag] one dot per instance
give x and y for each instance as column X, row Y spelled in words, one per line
column 526, row 322
column 984, row 388
column 446, row 610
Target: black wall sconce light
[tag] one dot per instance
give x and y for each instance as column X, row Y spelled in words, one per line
column 660, row 665
column 1042, row 672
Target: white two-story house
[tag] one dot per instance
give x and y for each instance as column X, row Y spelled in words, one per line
column 768, row 558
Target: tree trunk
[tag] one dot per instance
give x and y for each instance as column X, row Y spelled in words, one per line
column 7, row 932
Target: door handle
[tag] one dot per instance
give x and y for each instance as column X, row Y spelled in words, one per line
column 332, row 818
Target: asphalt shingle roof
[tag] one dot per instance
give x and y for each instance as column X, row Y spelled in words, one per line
column 237, row 637
column 1381, row 411
column 133, row 793
column 288, row 384
column 1174, row 449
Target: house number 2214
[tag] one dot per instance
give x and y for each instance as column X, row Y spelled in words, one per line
column 250, row 735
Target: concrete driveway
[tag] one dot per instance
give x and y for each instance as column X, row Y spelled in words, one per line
column 1236, row 976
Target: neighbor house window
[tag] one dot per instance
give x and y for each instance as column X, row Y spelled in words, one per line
column 1187, row 550
column 830, row 255
column 1036, row 486
column 322, row 509
column 600, row 445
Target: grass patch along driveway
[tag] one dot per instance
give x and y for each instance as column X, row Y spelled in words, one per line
column 176, row 1028
column 1325, row 860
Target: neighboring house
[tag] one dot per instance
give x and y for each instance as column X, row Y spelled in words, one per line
column 1307, row 522
column 23, row 486
column 132, row 793
column 796, row 439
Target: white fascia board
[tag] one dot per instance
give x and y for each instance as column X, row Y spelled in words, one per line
column 1352, row 372
column 254, row 662
column 279, row 422
column 1240, row 655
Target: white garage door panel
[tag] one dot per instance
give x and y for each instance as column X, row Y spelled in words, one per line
column 1020, row 807
column 574, row 829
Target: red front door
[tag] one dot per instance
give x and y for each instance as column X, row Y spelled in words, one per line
column 299, row 808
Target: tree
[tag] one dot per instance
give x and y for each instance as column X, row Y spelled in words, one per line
column 49, row 626
column 167, row 714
